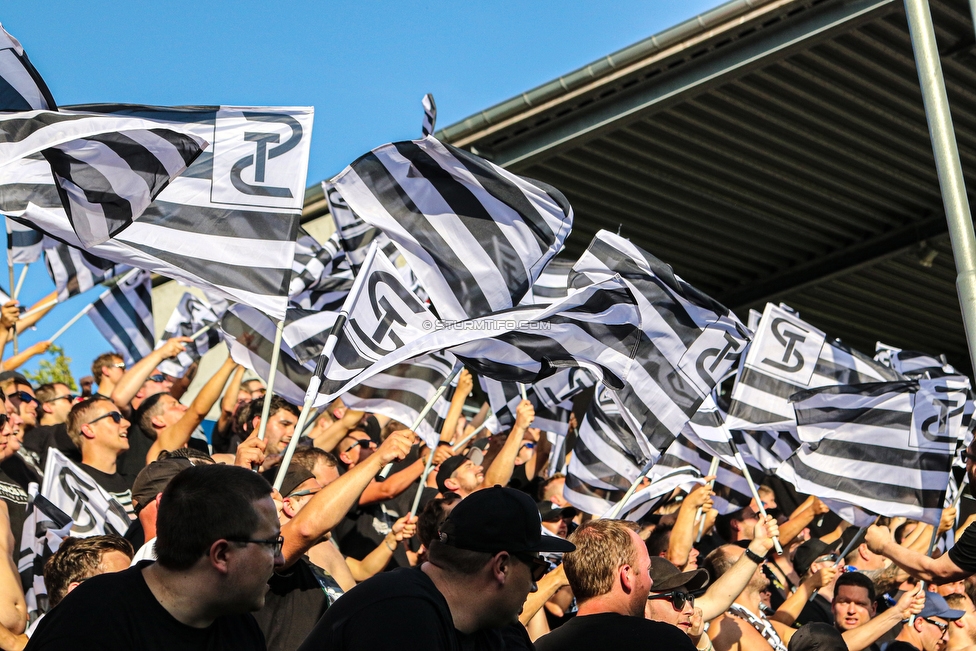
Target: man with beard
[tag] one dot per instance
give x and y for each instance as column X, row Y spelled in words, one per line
column 282, row 418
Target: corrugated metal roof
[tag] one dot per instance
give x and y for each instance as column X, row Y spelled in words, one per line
column 781, row 158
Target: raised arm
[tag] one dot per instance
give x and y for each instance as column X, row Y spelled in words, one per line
column 130, row 383
column 228, row 405
column 727, row 587
column 790, row 609
column 800, row 519
column 461, row 393
column 500, row 470
column 936, row 570
column 684, row 530
column 177, row 435
column 545, row 588
column 327, row 437
column 376, row 560
column 910, row 603
column 330, row 505
column 380, row 491
column 26, row 354
column 46, row 304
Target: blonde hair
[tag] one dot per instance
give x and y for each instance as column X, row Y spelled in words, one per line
column 602, row 546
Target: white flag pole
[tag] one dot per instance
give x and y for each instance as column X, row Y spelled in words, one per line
column 39, row 308
column 20, row 281
column 272, row 372
column 712, row 469
column 10, row 270
column 202, row 330
column 416, row 423
column 467, row 439
column 525, row 395
column 752, row 489
column 71, row 322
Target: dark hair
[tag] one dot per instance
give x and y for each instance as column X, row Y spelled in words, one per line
column 544, row 486
column 78, row 559
column 723, row 524
column 147, row 410
column 308, row 457
column 203, row 504
column 252, row 410
column 433, row 516
column 856, row 579
column 719, row 560
column 193, row 454
column 105, row 359
column 457, row 561
column 47, row 392
column 658, row 541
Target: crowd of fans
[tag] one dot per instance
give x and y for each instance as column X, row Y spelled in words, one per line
column 496, row 558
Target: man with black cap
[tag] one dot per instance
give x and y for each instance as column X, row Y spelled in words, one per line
column 929, row 631
column 462, row 474
column 672, row 597
column 469, row 593
column 811, row 557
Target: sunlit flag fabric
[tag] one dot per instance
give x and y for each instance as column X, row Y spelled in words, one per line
column 190, row 316
column 94, row 510
column 685, row 344
column 228, row 224
column 430, row 115
column 789, row 355
column 606, row 457
column 731, row 489
column 250, row 337
column 644, row 500
column 21, row 87
column 401, row 392
column 45, row 529
column 552, row 284
column 322, row 278
column 24, row 245
column 123, row 314
column 75, row 271
column 912, row 364
column 885, row 447
column 551, row 398
column 476, row 235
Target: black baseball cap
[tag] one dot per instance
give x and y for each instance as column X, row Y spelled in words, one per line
column 552, row 513
column 665, row 576
column 499, row 519
column 295, row 477
column 811, row 550
column 152, row 479
column 450, row 466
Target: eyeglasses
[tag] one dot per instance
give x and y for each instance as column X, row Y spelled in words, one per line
column 275, row 543
column 365, row 443
column 70, row 398
column 942, row 626
column 302, row 493
column 826, row 558
column 678, row 599
column 120, row 365
column 22, row 396
column 538, row 566
column 158, row 377
column 114, row 415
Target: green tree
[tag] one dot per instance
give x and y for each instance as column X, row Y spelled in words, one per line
column 58, row 371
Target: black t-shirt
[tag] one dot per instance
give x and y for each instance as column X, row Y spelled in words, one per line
column 118, row 486
column 963, row 553
column 817, row 609
column 18, row 469
column 402, row 610
column 16, row 499
column 295, row 602
column 365, row 527
column 614, row 631
column 134, row 459
column 119, row 612
column 43, row 437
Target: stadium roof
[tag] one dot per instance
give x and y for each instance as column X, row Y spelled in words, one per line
column 769, row 150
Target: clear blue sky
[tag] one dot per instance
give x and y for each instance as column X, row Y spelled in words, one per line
column 364, row 66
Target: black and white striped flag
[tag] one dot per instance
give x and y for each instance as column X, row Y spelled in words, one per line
column 476, row 235
column 885, row 447
column 75, row 271
column 731, row 488
column 767, row 448
column 190, row 316
column 45, row 529
column 551, row 398
column 685, row 345
column 123, row 314
column 24, row 245
column 402, row 392
column 229, row 223
column 789, row 355
column 316, row 264
column 912, row 364
column 645, row 499
column 95, row 511
column 306, row 331
column 430, row 115
column 552, row 284
column 21, row 87
column 250, row 337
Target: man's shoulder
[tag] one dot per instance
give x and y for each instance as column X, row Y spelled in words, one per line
column 583, row 631
column 401, row 584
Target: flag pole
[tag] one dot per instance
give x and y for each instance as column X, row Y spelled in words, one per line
column 525, row 395
column 272, row 372
column 467, row 439
column 20, row 281
column 202, row 330
column 752, row 489
column 71, row 322
column 615, row 511
column 947, row 164
column 39, row 308
column 712, row 469
column 10, row 270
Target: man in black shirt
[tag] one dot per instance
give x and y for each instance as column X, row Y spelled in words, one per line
column 468, row 594
column 102, row 434
column 55, row 402
column 218, row 542
column 610, row 576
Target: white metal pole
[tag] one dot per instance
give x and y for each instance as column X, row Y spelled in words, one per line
column 272, row 372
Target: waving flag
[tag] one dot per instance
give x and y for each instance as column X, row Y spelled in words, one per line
column 123, row 314
column 190, row 316
column 21, row 87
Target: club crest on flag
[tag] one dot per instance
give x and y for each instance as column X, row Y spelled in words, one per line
column 257, row 157
column 788, row 347
column 710, row 356
column 378, row 331
column 937, row 413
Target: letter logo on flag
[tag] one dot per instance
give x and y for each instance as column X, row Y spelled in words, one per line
column 791, row 346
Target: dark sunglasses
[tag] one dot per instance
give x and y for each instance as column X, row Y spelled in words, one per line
column 942, row 626
column 158, row 377
column 275, row 543
column 22, row 396
column 365, row 443
column 70, row 398
column 677, row 599
column 538, row 566
column 114, row 415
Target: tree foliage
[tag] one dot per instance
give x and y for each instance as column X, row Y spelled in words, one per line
column 57, row 371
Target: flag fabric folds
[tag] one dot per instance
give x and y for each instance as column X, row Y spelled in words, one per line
column 228, row 224
column 430, row 115
column 75, row 271
column 789, row 355
column 190, row 316
column 885, row 447
column 45, row 527
column 731, row 489
column 21, row 87
column 476, row 235
column 94, row 510
column 123, row 314
column 24, row 245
